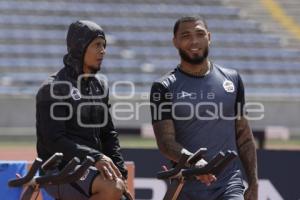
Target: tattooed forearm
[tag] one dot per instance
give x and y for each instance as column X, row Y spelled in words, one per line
column 165, row 138
column 247, row 150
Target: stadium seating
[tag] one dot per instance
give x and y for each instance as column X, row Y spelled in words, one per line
column 139, row 33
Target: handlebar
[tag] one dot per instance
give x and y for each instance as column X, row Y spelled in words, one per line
column 66, row 175
column 53, row 161
column 51, row 178
column 29, row 176
column 229, row 156
column 174, row 171
column 185, row 158
column 197, row 156
column 215, row 166
column 79, row 172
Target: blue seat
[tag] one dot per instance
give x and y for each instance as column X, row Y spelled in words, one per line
column 134, row 77
column 121, row 8
column 262, row 65
column 33, row 49
column 152, row 52
column 121, row 22
column 255, row 53
column 24, row 77
column 37, row 34
column 216, row 37
column 111, row 63
column 32, row 34
column 31, row 63
column 288, row 79
column 132, row 38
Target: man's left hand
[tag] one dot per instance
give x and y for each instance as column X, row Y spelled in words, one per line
column 252, row 192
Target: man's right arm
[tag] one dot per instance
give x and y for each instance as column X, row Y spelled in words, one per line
column 52, row 132
column 162, row 122
column 165, row 138
column 164, row 128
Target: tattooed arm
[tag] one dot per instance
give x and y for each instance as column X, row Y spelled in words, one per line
column 164, row 129
column 162, row 122
column 247, row 153
column 165, row 138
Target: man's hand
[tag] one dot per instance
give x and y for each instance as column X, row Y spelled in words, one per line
column 207, row 179
column 126, row 191
column 252, row 192
column 108, row 169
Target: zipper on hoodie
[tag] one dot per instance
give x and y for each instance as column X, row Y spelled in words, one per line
column 96, row 136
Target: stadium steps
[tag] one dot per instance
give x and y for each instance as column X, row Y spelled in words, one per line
column 32, row 42
column 146, row 52
column 255, row 10
column 113, row 9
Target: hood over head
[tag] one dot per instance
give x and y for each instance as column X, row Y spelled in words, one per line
column 80, row 34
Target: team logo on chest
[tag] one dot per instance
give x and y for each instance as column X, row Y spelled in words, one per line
column 75, row 94
column 184, row 94
column 228, row 86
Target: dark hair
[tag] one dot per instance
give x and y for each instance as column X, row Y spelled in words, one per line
column 192, row 18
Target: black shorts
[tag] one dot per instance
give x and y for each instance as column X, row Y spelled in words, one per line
column 79, row 190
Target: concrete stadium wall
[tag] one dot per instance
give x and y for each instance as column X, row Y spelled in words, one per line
column 19, row 111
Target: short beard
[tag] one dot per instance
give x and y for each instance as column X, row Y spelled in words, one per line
column 193, row 61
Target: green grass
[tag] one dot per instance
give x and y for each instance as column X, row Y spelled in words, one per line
column 129, row 141
column 281, row 144
column 125, row 142
column 137, row 142
column 16, row 144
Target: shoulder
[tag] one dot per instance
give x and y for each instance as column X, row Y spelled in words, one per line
column 167, row 79
column 230, row 76
column 53, row 86
column 226, row 71
column 51, row 79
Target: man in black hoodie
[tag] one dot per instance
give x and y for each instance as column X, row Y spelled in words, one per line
column 72, row 117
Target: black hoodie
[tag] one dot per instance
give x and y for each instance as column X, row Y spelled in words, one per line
column 72, row 117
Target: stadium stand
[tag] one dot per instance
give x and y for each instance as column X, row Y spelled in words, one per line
column 32, row 43
column 278, row 17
